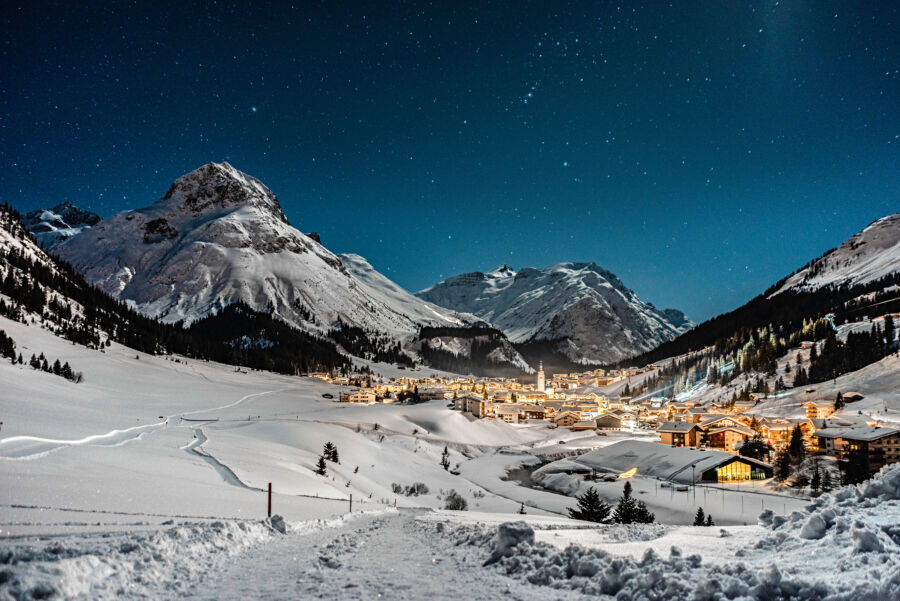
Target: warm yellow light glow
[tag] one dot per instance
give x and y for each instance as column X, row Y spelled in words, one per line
column 629, row 473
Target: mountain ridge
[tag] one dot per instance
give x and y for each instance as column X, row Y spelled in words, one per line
column 570, row 302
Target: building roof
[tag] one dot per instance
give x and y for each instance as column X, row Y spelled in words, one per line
column 741, row 429
column 565, row 413
column 677, row 427
column 587, row 423
column 863, row 433
column 658, row 460
column 713, row 418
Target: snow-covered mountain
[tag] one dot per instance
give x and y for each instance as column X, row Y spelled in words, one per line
column 869, row 255
column 593, row 314
column 219, row 237
column 52, row 226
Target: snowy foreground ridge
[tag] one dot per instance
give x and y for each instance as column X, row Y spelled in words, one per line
column 843, row 546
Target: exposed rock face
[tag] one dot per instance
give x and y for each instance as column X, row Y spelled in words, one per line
column 65, row 220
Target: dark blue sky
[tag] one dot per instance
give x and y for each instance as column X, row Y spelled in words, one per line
column 701, row 151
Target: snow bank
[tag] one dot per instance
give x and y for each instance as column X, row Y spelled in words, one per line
column 844, row 546
column 143, row 564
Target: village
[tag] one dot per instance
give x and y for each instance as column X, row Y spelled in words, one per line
column 582, row 402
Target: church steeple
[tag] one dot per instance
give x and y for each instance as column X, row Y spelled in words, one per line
column 540, row 376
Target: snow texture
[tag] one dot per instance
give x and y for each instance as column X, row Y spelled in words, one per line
column 869, row 255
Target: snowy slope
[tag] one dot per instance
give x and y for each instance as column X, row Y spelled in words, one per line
column 588, row 305
column 52, row 226
column 219, row 236
column 378, row 287
column 869, row 255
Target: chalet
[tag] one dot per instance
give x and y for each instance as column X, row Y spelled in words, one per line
column 741, row 406
column 430, row 394
column 679, row 434
column 727, row 437
column 533, row 412
column 819, row 409
column 508, row 412
column 776, row 433
column 609, row 421
column 554, row 407
column 879, row 446
column 587, row 424
column 567, row 419
column 477, row 406
column 828, row 440
column 365, row 396
column 713, row 420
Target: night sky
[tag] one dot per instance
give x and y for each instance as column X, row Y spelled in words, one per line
column 700, row 151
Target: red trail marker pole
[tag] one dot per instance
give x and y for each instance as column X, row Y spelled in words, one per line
column 270, row 499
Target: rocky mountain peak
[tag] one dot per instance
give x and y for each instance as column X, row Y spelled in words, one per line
column 220, row 186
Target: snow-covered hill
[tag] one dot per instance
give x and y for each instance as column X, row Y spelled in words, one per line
column 869, row 255
column 596, row 315
column 218, row 237
column 65, row 220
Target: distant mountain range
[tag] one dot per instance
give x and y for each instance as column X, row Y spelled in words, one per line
column 585, row 310
column 52, row 226
column 218, row 238
column 218, row 241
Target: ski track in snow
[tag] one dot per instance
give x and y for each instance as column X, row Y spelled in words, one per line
column 223, row 470
column 32, row 447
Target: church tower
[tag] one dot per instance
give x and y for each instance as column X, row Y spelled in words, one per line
column 540, row 377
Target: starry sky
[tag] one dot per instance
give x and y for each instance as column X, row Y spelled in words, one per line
column 699, row 150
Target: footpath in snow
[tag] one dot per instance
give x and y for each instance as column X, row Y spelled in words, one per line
column 844, row 546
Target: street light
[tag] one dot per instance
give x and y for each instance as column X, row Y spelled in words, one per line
column 694, row 481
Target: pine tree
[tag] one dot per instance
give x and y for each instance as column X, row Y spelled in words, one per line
column 628, row 511
column 782, row 465
column 445, row 459
column 816, row 482
column 522, row 509
column 826, row 481
column 709, row 521
column 797, row 445
column 591, row 507
column 643, row 515
column 700, row 517
column 839, row 401
column 888, row 332
column 320, row 466
column 329, row 452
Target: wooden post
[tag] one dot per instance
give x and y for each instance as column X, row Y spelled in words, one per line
column 270, row 499
column 351, row 502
